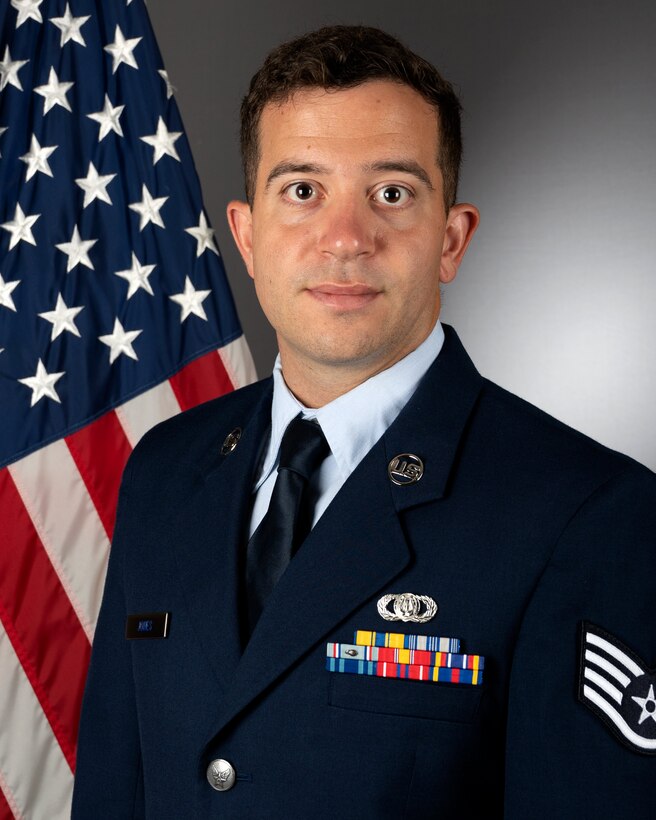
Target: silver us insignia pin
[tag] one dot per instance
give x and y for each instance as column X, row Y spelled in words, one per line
column 406, row 606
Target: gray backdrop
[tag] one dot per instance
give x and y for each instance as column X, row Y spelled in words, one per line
column 555, row 298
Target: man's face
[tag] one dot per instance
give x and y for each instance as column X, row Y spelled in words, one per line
column 348, row 240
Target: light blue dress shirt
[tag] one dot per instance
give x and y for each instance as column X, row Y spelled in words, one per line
column 351, row 423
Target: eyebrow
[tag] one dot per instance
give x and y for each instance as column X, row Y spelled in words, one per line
column 288, row 167
column 401, row 166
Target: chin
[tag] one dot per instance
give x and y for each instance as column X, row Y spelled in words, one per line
column 345, row 355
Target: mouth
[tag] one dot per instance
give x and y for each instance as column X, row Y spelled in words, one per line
column 344, row 297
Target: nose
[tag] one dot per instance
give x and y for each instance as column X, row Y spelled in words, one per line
column 348, row 231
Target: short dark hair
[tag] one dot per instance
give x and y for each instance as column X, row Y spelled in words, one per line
column 337, row 57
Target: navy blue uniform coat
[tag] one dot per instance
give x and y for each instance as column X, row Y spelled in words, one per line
column 520, row 529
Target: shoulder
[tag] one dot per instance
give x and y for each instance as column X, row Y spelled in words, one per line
column 507, row 437
column 598, row 505
column 532, row 437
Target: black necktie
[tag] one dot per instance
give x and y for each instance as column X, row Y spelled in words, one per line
column 289, row 517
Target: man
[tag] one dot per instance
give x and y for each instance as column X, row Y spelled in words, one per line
column 441, row 507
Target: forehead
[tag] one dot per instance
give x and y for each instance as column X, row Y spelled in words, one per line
column 359, row 122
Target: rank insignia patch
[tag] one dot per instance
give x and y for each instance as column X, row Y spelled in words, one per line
column 619, row 688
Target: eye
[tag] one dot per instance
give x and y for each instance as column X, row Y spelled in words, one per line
column 300, row 192
column 392, row 195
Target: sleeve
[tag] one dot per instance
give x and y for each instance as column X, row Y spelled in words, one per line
column 581, row 732
column 108, row 776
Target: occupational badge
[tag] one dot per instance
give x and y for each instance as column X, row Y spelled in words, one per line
column 406, row 606
column 619, row 688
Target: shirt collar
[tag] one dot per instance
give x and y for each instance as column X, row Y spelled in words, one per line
column 353, row 422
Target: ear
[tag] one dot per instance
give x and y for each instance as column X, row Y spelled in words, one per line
column 240, row 220
column 461, row 223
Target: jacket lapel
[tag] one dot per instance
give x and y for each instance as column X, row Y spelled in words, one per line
column 215, row 516
column 358, row 546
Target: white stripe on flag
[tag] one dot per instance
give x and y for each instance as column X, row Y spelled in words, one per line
column 607, row 666
column 238, row 362
column 9, row 798
column 609, row 710
column 138, row 415
column 602, row 683
column 31, row 761
column 68, row 526
column 614, row 652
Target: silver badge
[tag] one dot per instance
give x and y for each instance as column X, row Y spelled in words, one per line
column 406, row 468
column 406, row 606
column 231, row 441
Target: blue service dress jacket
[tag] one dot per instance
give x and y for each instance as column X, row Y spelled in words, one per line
column 538, row 546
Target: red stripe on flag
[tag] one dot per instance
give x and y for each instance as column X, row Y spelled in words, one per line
column 5, row 812
column 40, row 621
column 100, row 451
column 203, row 379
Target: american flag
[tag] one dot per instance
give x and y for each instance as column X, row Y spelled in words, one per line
column 115, row 314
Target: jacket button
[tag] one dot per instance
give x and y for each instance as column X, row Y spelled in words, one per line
column 220, row 775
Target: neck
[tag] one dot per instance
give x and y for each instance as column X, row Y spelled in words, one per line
column 315, row 389
column 315, row 383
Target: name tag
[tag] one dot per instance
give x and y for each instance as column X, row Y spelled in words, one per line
column 147, row 625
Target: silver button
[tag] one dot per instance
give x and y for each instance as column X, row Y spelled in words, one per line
column 220, row 775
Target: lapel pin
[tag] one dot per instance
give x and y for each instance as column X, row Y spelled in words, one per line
column 407, row 606
column 406, row 468
column 231, row 441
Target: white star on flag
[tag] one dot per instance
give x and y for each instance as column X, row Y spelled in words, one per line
column 2, row 131
column 108, row 119
column 20, row 227
column 54, row 92
column 149, row 208
column 204, row 236
column 42, row 384
column 62, row 318
column 137, row 276
column 6, row 288
column 27, row 10
column 70, row 27
column 77, row 250
column 163, row 142
column 37, row 158
column 94, row 186
column 9, row 71
column 120, row 341
column 190, row 300
column 170, row 89
column 121, row 50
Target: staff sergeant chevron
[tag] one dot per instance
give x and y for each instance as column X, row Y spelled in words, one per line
column 619, row 688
